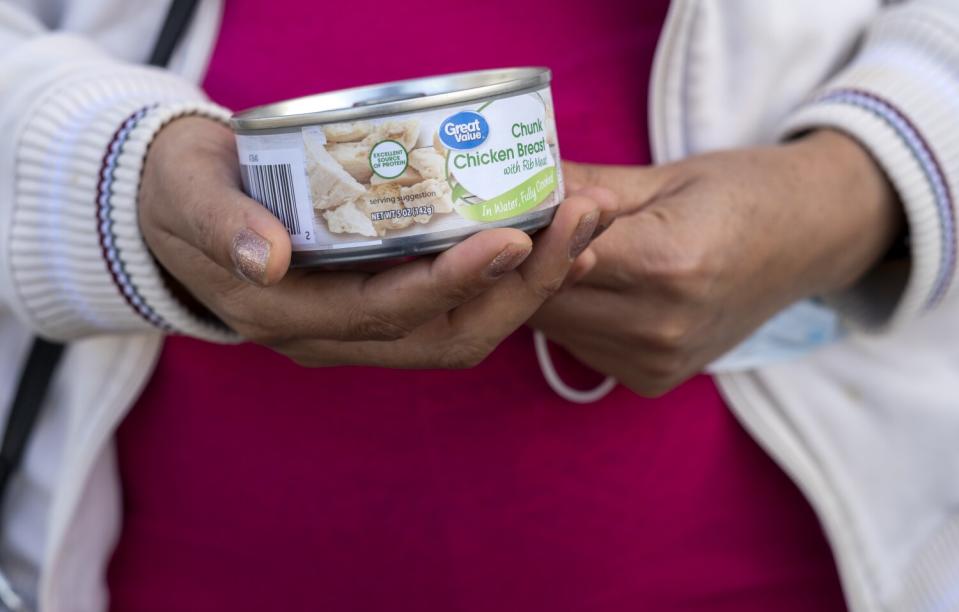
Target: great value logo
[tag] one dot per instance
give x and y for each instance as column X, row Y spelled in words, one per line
column 464, row 130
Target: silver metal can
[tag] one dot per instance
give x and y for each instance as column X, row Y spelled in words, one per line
column 404, row 168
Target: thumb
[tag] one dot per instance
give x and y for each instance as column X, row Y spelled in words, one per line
column 259, row 244
column 190, row 191
column 231, row 229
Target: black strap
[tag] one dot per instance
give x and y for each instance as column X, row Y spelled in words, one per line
column 34, row 384
column 177, row 19
column 44, row 356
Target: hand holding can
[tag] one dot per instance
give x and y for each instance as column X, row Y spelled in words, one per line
column 232, row 255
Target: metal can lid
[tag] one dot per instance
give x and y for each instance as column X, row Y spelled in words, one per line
column 387, row 99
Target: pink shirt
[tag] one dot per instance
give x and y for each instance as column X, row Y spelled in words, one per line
column 252, row 484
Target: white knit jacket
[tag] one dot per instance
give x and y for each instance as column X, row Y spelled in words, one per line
column 868, row 428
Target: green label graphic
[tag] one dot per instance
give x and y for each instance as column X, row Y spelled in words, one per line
column 523, row 197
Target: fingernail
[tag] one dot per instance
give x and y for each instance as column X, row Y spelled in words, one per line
column 250, row 255
column 507, row 260
column 599, row 231
column 583, row 234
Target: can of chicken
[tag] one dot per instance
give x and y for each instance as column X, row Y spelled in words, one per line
column 404, row 168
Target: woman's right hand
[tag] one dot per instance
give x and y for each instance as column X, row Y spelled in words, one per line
column 447, row 311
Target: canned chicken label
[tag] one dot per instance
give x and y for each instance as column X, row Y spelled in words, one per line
column 442, row 171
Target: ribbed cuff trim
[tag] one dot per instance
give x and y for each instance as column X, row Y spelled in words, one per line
column 77, row 261
column 871, row 304
column 905, row 117
column 133, row 270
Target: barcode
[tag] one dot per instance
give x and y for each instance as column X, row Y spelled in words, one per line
column 272, row 186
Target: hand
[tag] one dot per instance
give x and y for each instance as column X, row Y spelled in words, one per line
column 707, row 249
column 232, row 255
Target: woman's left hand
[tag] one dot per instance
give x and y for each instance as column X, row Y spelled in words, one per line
column 709, row 248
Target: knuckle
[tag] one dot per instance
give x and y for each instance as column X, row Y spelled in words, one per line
column 162, row 244
column 657, row 382
column 676, row 266
column 687, row 274
column 150, row 196
column 229, row 302
column 546, row 289
column 146, row 212
column 459, row 293
column 306, row 360
column 653, row 389
column 255, row 332
column 310, row 354
column 670, row 337
column 463, row 354
column 667, row 370
column 698, row 281
column 371, row 325
column 250, row 322
column 666, row 336
column 662, row 375
column 621, row 272
column 251, row 332
column 591, row 175
column 206, row 225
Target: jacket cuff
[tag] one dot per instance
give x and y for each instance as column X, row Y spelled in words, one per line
column 77, row 260
column 900, row 103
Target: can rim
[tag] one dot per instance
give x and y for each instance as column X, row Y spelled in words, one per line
column 393, row 98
